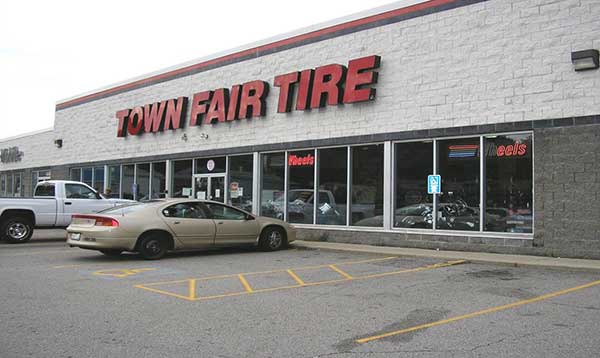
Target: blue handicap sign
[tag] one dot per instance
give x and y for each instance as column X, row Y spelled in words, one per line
column 434, row 184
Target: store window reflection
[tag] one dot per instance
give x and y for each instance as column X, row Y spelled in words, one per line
column 413, row 206
column 509, row 183
column 301, row 166
column 367, row 185
column 272, row 185
column 127, row 183
column 333, row 188
column 159, row 172
column 458, row 164
column 241, row 181
column 113, row 189
column 182, row 179
column 142, row 181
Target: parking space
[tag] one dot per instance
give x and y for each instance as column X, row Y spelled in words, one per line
column 62, row 302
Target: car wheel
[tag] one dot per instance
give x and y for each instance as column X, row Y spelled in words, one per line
column 272, row 239
column 17, row 230
column 153, row 247
column 111, row 253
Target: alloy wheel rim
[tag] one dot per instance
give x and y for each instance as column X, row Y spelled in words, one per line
column 275, row 239
column 153, row 246
column 17, row 231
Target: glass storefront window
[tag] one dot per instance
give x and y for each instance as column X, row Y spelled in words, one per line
column 182, row 179
column 18, row 185
column 87, row 176
column 509, row 183
column 458, row 164
column 99, row 179
column 333, row 186
column 301, row 166
column 241, row 181
column 75, row 174
column 413, row 207
column 9, row 185
column 3, row 185
column 367, row 185
column 127, row 183
column 113, row 189
column 210, row 165
column 159, row 172
column 142, row 181
column 272, row 185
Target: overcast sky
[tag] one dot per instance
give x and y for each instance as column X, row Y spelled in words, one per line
column 52, row 50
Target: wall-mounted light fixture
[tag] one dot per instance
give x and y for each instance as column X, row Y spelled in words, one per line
column 58, row 143
column 184, row 137
column 585, row 60
column 203, row 135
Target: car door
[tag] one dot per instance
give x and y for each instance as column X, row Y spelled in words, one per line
column 234, row 227
column 81, row 199
column 191, row 224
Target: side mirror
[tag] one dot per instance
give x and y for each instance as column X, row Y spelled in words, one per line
column 249, row 217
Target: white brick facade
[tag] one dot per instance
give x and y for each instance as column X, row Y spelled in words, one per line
column 489, row 62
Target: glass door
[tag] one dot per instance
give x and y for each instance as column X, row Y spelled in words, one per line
column 209, row 187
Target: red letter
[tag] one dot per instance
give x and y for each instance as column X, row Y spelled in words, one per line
column 252, row 102
column 176, row 109
column 327, row 86
column 285, row 95
column 522, row 149
column 234, row 102
column 509, row 150
column 199, row 106
column 359, row 76
column 122, row 117
column 500, row 151
column 136, row 121
column 304, row 89
column 218, row 104
column 154, row 115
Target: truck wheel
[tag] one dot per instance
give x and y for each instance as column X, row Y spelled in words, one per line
column 17, row 229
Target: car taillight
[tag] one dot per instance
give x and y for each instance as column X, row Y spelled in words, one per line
column 106, row 222
column 98, row 220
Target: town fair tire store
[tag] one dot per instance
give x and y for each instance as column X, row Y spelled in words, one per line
column 336, row 127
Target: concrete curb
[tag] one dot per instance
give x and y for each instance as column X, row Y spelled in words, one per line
column 513, row 260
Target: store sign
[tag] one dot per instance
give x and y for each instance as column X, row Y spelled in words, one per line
column 10, row 155
column 517, row 149
column 327, row 85
column 295, row 161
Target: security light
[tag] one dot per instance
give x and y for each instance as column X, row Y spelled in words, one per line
column 585, row 60
column 58, row 143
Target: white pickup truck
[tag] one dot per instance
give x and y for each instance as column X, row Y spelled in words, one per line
column 52, row 205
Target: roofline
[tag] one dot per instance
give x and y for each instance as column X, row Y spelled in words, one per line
column 28, row 134
column 379, row 16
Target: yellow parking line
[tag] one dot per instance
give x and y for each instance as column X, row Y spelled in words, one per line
column 192, row 288
column 479, row 313
column 334, row 268
column 296, row 278
column 300, row 282
column 245, row 283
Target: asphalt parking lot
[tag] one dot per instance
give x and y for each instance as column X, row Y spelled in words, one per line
column 67, row 302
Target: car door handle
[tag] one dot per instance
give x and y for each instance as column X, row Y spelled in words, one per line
column 68, row 203
column 176, row 222
column 220, row 223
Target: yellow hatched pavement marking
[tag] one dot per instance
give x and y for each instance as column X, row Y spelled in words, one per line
column 120, row 273
column 301, row 283
column 245, row 283
column 192, row 289
column 336, row 269
column 296, row 278
column 479, row 313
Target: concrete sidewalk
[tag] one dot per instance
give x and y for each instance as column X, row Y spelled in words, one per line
column 513, row 260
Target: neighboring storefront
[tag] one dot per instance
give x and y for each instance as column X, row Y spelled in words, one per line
column 338, row 129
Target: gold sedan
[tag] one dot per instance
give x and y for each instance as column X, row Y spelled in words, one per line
column 155, row 227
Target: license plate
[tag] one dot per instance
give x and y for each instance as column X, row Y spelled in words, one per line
column 75, row 236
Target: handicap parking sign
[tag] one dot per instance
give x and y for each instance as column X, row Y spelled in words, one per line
column 434, row 184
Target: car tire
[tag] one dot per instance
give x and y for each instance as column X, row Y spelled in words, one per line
column 17, row 230
column 153, row 247
column 272, row 239
column 111, row 253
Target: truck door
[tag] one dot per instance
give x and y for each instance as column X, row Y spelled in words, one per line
column 80, row 199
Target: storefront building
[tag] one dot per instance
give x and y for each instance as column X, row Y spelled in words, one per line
column 337, row 128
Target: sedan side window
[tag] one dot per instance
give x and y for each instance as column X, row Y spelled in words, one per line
column 77, row 191
column 185, row 211
column 225, row 213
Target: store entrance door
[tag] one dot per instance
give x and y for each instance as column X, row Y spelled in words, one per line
column 209, row 187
